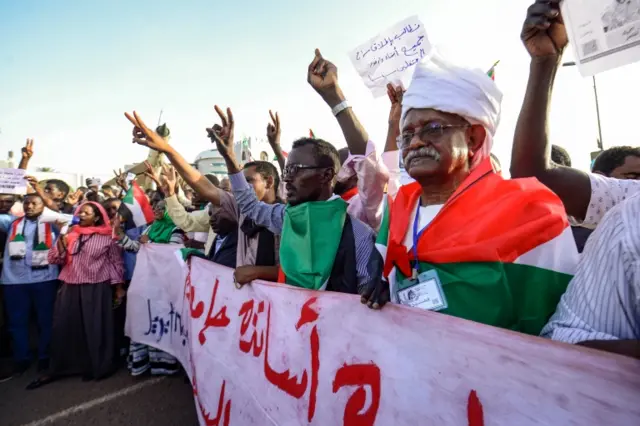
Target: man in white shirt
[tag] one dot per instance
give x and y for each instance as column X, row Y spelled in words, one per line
column 601, row 307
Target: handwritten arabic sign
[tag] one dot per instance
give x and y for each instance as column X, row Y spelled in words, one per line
column 390, row 57
column 12, row 181
column 270, row 354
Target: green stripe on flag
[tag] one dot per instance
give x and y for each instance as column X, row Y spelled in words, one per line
column 506, row 295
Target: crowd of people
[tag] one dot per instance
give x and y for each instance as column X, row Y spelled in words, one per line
column 552, row 251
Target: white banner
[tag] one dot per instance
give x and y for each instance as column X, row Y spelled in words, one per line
column 391, row 56
column 604, row 34
column 270, row 354
column 12, row 181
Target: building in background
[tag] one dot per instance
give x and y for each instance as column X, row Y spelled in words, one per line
column 246, row 150
column 211, row 162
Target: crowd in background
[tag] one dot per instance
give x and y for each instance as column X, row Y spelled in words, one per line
column 552, row 251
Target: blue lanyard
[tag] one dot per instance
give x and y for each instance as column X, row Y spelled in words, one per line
column 416, row 238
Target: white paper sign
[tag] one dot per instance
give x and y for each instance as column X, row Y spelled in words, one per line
column 391, row 56
column 12, row 181
column 270, row 354
column 605, row 34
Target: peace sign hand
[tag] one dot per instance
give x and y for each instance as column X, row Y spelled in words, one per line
column 121, row 179
column 169, row 181
column 142, row 135
column 395, row 96
column 151, row 174
column 27, row 150
column 273, row 130
column 74, row 198
column 223, row 135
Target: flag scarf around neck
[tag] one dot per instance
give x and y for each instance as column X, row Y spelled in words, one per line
column 503, row 249
column 311, row 235
column 135, row 208
column 470, row 93
column 41, row 246
column 160, row 230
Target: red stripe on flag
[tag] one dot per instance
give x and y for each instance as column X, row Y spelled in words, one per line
column 14, row 229
column 143, row 201
column 47, row 238
column 475, row 413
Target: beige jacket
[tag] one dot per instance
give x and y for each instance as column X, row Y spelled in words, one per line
column 197, row 221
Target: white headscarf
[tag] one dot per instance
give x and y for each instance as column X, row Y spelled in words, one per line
column 469, row 93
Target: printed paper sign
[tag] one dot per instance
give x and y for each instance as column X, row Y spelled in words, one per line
column 12, row 181
column 270, row 354
column 605, row 34
column 391, row 56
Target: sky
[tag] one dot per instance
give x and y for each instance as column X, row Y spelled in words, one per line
column 70, row 69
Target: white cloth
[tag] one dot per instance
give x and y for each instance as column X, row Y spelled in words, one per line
column 606, row 193
column 602, row 301
column 469, row 93
column 367, row 205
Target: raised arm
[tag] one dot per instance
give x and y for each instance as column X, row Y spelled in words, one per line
column 268, row 215
column 143, row 135
column 273, row 135
column 27, row 153
column 391, row 155
column 322, row 75
column 197, row 221
column 48, row 202
column 545, row 38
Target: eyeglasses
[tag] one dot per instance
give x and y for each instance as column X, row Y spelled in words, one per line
column 292, row 170
column 432, row 132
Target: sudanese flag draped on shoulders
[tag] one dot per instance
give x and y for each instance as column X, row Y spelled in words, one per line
column 503, row 249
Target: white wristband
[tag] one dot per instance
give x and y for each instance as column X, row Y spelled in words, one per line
column 340, row 107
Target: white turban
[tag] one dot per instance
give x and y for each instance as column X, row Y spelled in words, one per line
column 469, row 93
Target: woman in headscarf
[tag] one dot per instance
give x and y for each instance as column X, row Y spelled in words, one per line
column 143, row 358
column 82, row 335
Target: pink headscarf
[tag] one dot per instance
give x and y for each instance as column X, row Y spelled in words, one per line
column 77, row 230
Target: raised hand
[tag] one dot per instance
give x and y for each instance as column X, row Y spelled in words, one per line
column 169, row 179
column 544, row 33
column 143, row 135
column 121, row 179
column 273, row 130
column 395, row 96
column 222, row 135
column 27, row 150
column 151, row 174
column 74, row 198
column 33, row 183
column 322, row 75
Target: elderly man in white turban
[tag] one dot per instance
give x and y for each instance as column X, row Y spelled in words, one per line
column 462, row 240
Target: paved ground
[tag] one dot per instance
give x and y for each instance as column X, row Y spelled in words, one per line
column 118, row 400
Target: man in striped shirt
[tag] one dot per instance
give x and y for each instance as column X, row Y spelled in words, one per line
column 601, row 307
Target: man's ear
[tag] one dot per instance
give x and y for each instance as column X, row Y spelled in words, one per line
column 476, row 135
column 270, row 182
column 328, row 175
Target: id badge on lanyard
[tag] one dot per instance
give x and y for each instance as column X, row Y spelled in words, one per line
column 422, row 290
